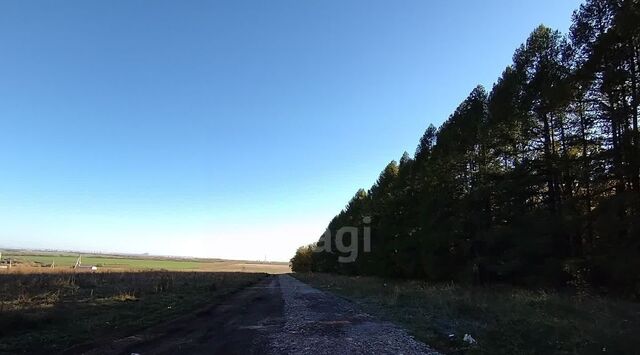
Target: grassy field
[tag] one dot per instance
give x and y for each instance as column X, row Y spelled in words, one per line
column 50, row 310
column 108, row 262
column 502, row 320
column 113, row 262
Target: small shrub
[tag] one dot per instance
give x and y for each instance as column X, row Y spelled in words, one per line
column 125, row 296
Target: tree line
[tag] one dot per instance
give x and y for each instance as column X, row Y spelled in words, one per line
column 536, row 182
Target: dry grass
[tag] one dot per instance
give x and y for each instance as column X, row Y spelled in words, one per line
column 246, row 266
column 58, row 308
column 503, row 319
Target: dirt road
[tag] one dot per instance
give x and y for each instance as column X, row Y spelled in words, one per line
column 279, row 315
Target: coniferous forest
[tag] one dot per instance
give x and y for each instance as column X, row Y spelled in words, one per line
column 534, row 183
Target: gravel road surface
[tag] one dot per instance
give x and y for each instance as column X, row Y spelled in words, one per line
column 279, row 315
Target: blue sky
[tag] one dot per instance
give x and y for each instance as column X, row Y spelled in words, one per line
column 232, row 129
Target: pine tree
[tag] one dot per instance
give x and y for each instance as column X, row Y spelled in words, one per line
column 534, row 183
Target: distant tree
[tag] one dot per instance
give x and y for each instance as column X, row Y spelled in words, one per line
column 302, row 261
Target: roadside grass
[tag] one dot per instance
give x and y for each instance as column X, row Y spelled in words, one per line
column 48, row 312
column 502, row 319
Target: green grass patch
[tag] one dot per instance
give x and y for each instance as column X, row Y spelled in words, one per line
column 503, row 320
column 108, row 262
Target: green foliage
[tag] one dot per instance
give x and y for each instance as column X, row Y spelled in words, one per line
column 534, row 183
column 302, row 261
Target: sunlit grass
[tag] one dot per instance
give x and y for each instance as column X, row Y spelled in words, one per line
column 108, row 262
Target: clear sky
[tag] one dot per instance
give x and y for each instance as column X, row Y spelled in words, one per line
column 232, row 129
